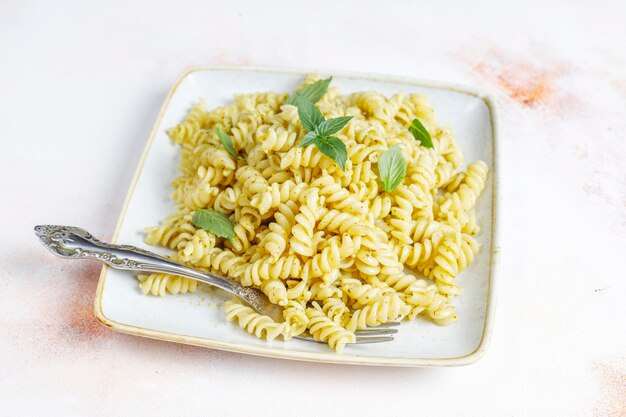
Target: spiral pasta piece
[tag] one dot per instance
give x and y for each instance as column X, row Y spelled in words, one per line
column 275, row 139
column 324, row 329
column 426, row 298
column 226, row 200
column 174, row 233
column 224, row 261
column 307, row 157
column 302, row 232
column 295, row 317
column 363, row 192
column 321, row 291
column 199, row 246
column 254, row 323
column 324, row 262
column 367, row 263
column 275, row 242
column 401, row 282
column 245, row 231
column 346, row 245
column 448, row 148
column 380, row 207
column 264, row 269
column 458, row 204
column 185, row 131
column 336, row 310
column 337, row 196
column 298, row 289
column 363, row 294
column 447, row 267
column 276, row 291
column 358, row 173
column 341, row 222
column 159, row 284
column 382, row 310
column 211, row 154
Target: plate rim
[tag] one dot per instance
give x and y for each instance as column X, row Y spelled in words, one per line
column 495, row 249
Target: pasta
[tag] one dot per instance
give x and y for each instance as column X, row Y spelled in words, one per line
column 329, row 245
column 324, row 329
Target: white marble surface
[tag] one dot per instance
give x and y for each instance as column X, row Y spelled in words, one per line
column 81, row 84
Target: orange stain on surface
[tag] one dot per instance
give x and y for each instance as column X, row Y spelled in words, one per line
column 57, row 303
column 531, row 82
column 612, row 401
column 78, row 311
column 525, row 83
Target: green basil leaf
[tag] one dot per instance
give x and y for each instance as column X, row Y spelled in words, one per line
column 308, row 139
column 332, row 126
column 310, row 116
column 312, row 92
column 391, row 168
column 334, row 148
column 420, row 133
column 215, row 222
column 227, row 142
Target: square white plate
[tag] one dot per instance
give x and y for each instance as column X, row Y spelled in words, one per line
column 199, row 318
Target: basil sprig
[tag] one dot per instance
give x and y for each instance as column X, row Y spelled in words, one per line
column 215, row 222
column 226, row 141
column 334, row 148
column 420, row 133
column 320, row 131
column 312, row 92
column 391, row 168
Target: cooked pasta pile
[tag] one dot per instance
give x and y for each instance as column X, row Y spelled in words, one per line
column 329, row 245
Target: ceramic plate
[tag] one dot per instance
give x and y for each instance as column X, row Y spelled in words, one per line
column 199, row 318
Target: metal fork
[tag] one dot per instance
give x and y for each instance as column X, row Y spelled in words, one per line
column 76, row 243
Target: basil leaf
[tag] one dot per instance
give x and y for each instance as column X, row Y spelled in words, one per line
column 334, row 148
column 227, row 142
column 391, row 168
column 332, row 126
column 215, row 222
column 312, row 92
column 310, row 116
column 308, row 139
column 420, row 133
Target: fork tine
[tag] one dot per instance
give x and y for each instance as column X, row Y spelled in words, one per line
column 307, row 338
column 389, row 324
column 375, row 331
column 375, row 334
column 361, row 338
column 365, row 340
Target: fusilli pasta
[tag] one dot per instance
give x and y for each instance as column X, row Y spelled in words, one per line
column 329, row 245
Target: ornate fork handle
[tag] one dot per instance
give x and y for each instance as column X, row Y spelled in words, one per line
column 74, row 242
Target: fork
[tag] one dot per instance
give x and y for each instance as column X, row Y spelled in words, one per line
column 76, row 243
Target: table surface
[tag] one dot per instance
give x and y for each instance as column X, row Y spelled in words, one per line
column 81, row 85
